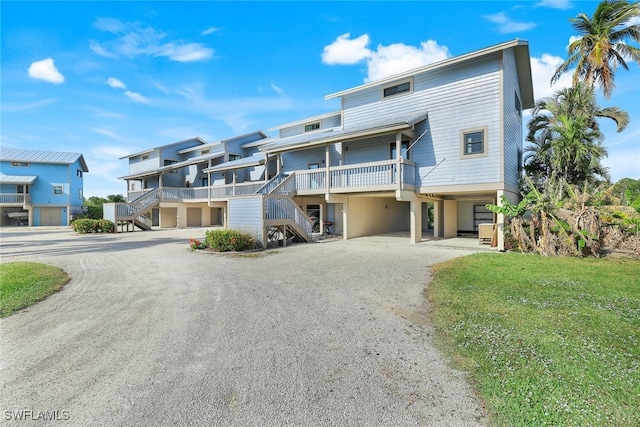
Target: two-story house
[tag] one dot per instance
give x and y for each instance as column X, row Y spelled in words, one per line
column 40, row 187
column 444, row 138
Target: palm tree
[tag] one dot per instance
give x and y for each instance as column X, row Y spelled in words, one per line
column 565, row 138
column 602, row 45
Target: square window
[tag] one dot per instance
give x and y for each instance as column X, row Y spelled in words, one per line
column 57, row 189
column 79, row 173
column 473, row 142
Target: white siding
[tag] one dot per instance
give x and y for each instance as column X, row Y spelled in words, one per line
column 326, row 123
column 245, row 214
column 371, row 150
column 457, row 98
column 300, row 160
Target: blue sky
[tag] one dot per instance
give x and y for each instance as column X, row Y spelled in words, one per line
column 108, row 79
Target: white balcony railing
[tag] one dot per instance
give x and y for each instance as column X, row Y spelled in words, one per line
column 382, row 174
column 15, row 199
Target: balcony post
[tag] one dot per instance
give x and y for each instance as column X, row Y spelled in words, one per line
column 398, row 157
column 327, row 163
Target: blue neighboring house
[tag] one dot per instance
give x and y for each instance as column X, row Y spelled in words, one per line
column 40, row 187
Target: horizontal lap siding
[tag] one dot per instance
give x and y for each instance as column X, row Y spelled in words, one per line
column 326, row 123
column 456, row 98
column 245, row 214
column 300, row 160
column 513, row 133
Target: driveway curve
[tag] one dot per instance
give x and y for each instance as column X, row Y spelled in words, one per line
column 149, row 333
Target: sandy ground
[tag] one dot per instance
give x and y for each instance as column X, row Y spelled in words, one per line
column 147, row 332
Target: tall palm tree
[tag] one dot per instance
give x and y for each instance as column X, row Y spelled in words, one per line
column 565, row 138
column 602, row 45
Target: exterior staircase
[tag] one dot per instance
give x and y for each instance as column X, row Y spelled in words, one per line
column 283, row 217
column 135, row 213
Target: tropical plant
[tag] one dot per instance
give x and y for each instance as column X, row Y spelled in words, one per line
column 565, row 141
column 603, row 44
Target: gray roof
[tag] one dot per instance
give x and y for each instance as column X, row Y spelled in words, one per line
column 245, row 162
column 192, row 161
column 328, row 136
column 17, row 179
column 38, row 156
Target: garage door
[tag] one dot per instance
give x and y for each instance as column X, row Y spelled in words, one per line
column 194, row 217
column 51, row 216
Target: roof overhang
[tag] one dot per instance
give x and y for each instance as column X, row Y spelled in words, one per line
column 174, row 166
column 300, row 142
column 17, row 179
column 245, row 162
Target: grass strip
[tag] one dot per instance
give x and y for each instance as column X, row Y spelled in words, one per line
column 22, row 284
column 548, row 341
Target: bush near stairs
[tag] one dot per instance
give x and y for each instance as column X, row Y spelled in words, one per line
column 86, row 225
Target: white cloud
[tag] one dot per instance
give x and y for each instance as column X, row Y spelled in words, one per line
column 134, row 39
column 506, row 25
column 185, row 52
column 108, row 133
column 46, row 70
column 134, row 96
column 398, row 57
column 12, row 107
column 116, row 83
column 209, row 30
column 346, row 51
column 277, row 89
column 542, row 69
column 556, row 4
column 385, row 60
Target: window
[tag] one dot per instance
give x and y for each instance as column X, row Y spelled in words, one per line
column 314, row 165
column 518, row 106
column 404, row 153
column 57, row 189
column 169, row 163
column 205, row 151
column 205, row 182
column 22, row 189
column 396, row 89
column 20, row 164
column 473, row 142
column 145, row 157
column 80, row 193
column 79, row 173
column 311, row 127
column 234, row 157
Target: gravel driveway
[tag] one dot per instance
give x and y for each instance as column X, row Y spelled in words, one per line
column 149, row 333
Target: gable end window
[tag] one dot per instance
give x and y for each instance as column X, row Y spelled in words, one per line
column 79, row 173
column 473, row 142
column 311, row 127
column 396, row 89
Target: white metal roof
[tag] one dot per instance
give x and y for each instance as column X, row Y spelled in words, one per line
column 197, row 139
column 17, row 179
column 192, row 161
column 245, row 162
column 38, row 156
column 341, row 134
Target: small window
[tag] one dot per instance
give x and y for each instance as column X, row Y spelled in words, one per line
column 518, row 105
column 80, row 193
column 473, row 142
column 145, row 157
column 20, row 164
column 314, row 165
column 169, row 163
column 205, row 182
column 234, row 157
column 79, row 173
column 312, row 126
column 205, row 151
column 57, row 189
column 396, row 89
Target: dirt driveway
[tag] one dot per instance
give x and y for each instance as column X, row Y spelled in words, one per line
column 148, row 333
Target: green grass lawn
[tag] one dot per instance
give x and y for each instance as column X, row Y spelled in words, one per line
column 548, row 341
column 25, row 283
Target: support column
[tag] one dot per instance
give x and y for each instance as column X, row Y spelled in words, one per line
column 345, row 218
column 398, row 157
column 327, row 164
column 415, row 213
column 437, row 219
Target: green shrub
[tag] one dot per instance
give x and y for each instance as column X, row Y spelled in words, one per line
column 87, row 225
column 229, row 240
